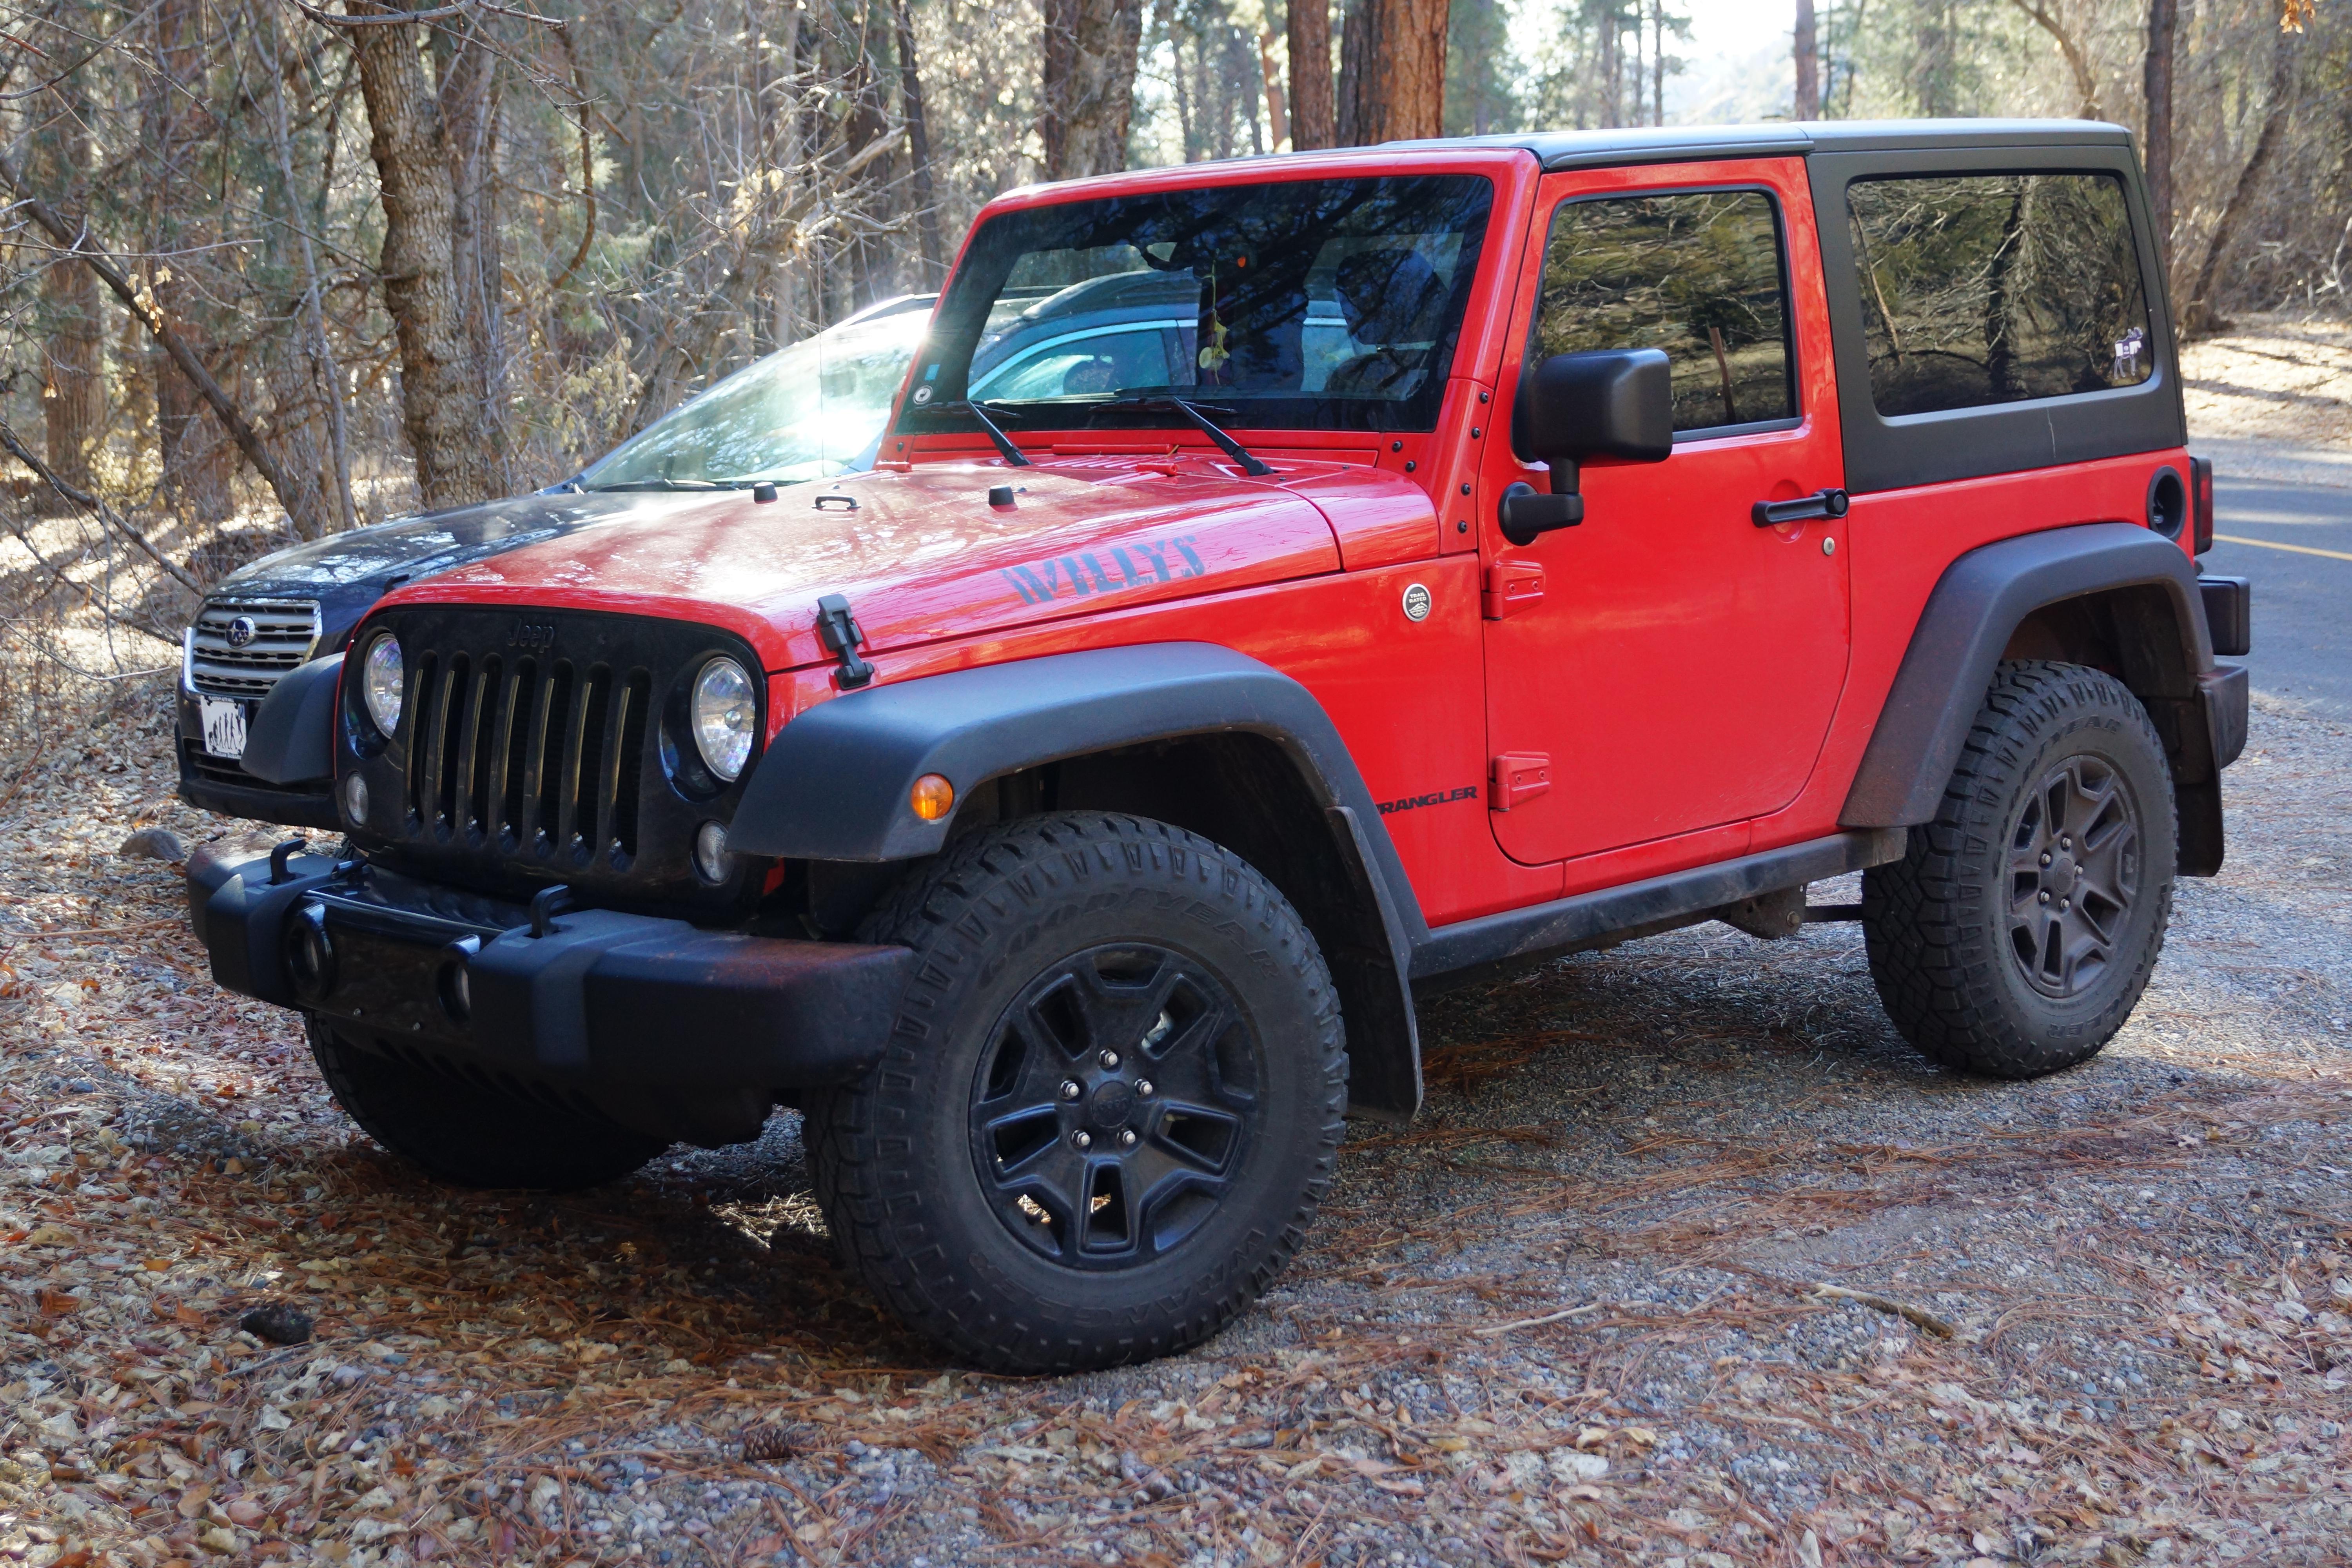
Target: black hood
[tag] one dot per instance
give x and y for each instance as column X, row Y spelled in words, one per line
column 348, row 572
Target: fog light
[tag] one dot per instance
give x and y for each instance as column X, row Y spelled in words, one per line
column 710, row 855
column 456, row 989
column 355, row 799
column 932, row 797
column 309, row 955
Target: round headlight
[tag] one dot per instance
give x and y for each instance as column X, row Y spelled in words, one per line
column 380, row 682
column 725, row 710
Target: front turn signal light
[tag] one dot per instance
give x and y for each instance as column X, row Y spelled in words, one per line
column 932, row 797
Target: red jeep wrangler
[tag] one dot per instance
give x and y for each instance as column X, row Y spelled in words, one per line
column 1350, row 574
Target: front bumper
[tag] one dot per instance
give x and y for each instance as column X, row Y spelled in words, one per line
column 218, row 784
column 601, row 1001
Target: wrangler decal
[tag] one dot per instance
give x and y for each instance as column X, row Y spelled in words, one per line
column 1087, row 573
column 1434, row 797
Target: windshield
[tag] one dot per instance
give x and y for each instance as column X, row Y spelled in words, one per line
column 1321, row 304
column 808, row 412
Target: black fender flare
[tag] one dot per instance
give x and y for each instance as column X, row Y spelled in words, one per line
column 1975, row 608
column 835, row 783
column 292, row 738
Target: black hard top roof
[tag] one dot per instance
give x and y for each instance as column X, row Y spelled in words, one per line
column 1672, row 143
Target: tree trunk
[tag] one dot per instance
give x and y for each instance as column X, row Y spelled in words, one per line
column 1808, row 45
column 2156, row 145
column 919, row 150
column 2203, row 315
column 468, row 69
column 73, row 382
column 326, row 376
column 1657, row 62
column 73, row 379
column 1311, row 111
column 439, row 381
column 1060, row 19
column 1089, row 85
column 1277, row 114
column 1392, row 72
column 197, row 461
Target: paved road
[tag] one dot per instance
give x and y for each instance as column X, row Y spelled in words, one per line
column 2302, row 595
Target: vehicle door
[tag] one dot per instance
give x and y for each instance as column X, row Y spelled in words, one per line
column 1670, row 664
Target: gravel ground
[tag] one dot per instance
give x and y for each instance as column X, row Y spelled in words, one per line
column 2271, row 399
column 1571, row 1314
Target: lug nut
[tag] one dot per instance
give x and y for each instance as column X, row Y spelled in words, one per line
column 1143, row 1089
column 2065, row 842
column 1127, row 1138
column 1082, row 1139
column 2045, row 857
column 1070, row 1088
column 2044, row 895
column 2065, row 903
column 1108, row 1058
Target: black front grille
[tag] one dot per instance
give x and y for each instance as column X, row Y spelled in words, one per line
column 537, row 747
column 534, row 756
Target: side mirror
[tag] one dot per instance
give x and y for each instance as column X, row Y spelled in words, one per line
column 1618, row 403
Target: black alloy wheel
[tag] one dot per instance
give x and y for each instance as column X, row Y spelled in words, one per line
column 2074, row 871
column 2020, row 928
column 1113, row 1110
column 1111, row 1102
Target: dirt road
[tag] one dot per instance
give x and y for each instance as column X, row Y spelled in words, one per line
column 1571, row 1314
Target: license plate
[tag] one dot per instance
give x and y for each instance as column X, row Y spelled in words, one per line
column 224, row 720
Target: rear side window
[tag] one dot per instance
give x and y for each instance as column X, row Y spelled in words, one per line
column 1696, row 274
column 1989, row 289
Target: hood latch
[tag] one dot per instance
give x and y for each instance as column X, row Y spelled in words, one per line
column 838, row 628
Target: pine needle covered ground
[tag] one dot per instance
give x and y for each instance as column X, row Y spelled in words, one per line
column 1571, row 1314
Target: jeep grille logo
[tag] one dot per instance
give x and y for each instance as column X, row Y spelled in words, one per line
column 533, row 634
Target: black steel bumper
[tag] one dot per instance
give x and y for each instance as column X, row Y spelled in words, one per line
column 598, row 1000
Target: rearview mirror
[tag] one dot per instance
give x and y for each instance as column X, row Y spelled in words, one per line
column 1617, row 403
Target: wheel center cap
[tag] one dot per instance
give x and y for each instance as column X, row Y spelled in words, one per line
column 1109, row 1106
column 2062, row 876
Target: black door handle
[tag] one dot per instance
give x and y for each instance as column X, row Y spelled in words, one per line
column 1820, row 503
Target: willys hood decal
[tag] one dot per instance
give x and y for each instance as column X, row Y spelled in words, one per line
column 924, row 554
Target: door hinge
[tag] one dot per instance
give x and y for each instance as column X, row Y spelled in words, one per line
column 1512, row 586
column 1518, row 776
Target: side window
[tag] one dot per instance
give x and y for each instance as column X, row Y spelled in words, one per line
column 1696, row 274
column 1988, row 289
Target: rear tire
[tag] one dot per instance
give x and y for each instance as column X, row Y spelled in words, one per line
column 2016, row 935
column 1111, row 1103
column 469, row 1136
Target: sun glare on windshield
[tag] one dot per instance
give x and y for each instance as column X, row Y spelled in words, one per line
column 807, row 412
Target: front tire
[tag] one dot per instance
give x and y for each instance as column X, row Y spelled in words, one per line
column 470, row 1136
column 1111, row 1103
column 2016, row 935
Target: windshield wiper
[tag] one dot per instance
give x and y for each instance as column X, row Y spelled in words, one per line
column 665, row 483
column 1198, row 413
column 979, row 411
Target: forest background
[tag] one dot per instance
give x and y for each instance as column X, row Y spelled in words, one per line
column 269, row 268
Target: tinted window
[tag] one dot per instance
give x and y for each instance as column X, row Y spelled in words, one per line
column 1330, row 304
column 1695, row 274
column 1990, row 288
